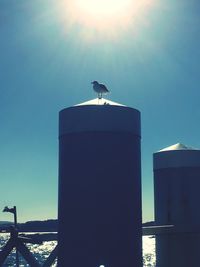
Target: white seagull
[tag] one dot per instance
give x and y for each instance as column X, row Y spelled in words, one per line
column 99, row 88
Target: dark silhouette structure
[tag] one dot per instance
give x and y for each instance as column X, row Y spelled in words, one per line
column 99, row 187
column 18, row 242
column 176, row 195
column 14, row 212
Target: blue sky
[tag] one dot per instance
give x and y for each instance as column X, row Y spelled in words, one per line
column 48, row 59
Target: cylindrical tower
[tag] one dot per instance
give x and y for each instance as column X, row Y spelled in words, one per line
column 99, row 186
column 176, row 192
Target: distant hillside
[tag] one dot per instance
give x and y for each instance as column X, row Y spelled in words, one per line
column 151, row 223
column 33, row 226
column 5, row 222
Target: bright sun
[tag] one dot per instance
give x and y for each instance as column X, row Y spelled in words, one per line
column 104, row 16
column 104, row 8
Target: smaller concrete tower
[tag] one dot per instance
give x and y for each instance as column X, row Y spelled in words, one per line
column 177, row 198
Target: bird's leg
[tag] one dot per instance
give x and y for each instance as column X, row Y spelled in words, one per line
column 99, row 95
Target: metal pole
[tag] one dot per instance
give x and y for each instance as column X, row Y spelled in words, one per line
column 15, row 216
column 15, row 224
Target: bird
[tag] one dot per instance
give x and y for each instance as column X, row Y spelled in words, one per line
column 100, row 89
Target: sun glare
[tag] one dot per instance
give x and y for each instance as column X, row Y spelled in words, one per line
column 102, row 8
column 105, row 16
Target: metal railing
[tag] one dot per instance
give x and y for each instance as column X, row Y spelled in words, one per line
column 18, row 242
